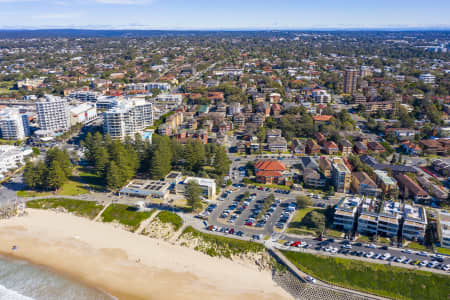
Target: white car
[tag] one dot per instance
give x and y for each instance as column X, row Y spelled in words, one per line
column 423, row 263
column 371, row 246
column 422, row 253
column 310, row 279
column 328, row 249
column 407, row 251
column 446, row 267
column 334, row 250
column 369, row 255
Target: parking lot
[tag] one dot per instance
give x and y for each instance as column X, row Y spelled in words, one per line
column 256, row 215
column 370, row 252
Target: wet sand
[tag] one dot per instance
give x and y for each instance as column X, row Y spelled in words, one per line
column 127, row 265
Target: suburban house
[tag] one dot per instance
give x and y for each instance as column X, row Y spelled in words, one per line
column 376, row 147
column 277, row 144
column 298, row 147
column 411, row 148
column 312, row 147
column 433, row 147
column 345, row 147
column 330, row 147
column 360, row 148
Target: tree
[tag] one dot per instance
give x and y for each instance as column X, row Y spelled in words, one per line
column 113, row 176
column 221, row 161
column 55, row 176
column 315, row 220
column 193, row 192
column 303, row 202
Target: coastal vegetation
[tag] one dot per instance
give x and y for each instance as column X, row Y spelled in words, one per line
column 50, row 174
column 125, row 215
column 80, row 208
column 214, row 245
column 170, row 218
column 117, row 162
column 383, row 280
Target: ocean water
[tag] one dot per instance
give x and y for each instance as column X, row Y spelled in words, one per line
column 20, row 280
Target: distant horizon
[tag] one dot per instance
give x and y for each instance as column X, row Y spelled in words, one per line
column 224, row 15
column 386, row 28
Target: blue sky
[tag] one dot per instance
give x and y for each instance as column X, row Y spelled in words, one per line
column 223, row 14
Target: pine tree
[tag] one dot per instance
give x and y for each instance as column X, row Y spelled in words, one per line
column 55, row 176
column 221, row 162
column 113, row 176
column 193, row 192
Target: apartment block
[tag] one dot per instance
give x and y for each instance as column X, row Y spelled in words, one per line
column 346, row 212
column 129, row 118
column 368, row 217
column 415, row 222
column 53, row 114
column 389, row 219
column 444, row 228
column 341, row 176
column 12, row 125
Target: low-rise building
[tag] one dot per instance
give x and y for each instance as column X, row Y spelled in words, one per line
column 409, row 188
column 362, row 184
column 389, row 219
column 387, row 183
column 444, row 228
column 207, row 185
column 415, row 222
column 277, row 144
column 368, row 217
column 346, row 211
column 146, row 189
column 346, row 147
column 298, row 147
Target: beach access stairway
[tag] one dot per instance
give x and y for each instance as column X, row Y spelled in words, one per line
column 147, row 222
column 101, row 212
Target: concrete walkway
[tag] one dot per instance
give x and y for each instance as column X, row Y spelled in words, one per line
column 101, row 212
column 146, row 222
column 177, row 234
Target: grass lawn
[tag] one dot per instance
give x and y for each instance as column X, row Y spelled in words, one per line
column 30, row 194
column 364, row 239
column 417, row 246
column 76, row 185
column 332, row 232
column 125, row 215
column 223, row 246
column 171, row 218
column 79, row 207
column 383, row 280
column 297, row 227
column 443, row 250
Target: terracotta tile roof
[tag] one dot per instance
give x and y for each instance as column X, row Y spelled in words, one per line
column 270, row 165
column 269, row 174
column 322, row 118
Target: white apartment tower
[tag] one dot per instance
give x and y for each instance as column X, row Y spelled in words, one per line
column 129, row 118
column 12, row 125
column 53, row 114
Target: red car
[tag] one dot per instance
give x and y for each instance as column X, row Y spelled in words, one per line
column 249, row 224
column 231, row 231
column 296, row 244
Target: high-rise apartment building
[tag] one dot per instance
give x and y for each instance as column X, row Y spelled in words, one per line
column 12, row 125
column 350, row 79
column 128, row 118
column 53, row 113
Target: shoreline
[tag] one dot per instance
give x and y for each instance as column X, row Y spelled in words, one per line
column 126, row 265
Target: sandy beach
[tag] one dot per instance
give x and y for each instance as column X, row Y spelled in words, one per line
column 127, row 265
